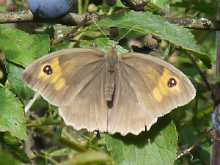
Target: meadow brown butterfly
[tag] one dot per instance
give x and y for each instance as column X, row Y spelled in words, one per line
column 111, row 92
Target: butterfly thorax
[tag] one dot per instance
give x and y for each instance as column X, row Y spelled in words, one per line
column 112, row 59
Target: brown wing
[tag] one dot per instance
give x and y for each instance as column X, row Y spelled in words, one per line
column 88, row 109
column 146, row 88
column 158, row 86
column 127, row 115
column 71, row 70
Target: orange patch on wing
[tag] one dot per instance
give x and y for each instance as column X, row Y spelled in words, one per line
column 157, row 95
column 60, row 84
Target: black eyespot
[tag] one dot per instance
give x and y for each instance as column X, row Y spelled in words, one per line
column 171, row 82
column 48, row 70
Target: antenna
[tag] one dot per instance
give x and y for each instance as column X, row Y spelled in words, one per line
column 99, row 28
column 127, row 32
column 121, row 36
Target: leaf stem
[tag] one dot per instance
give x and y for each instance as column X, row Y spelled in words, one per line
column 62, row 140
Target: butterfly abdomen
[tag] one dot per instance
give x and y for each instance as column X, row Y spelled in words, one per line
column 112, row 60
column 109, row 85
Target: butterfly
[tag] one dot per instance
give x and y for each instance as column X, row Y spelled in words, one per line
column 109, row 92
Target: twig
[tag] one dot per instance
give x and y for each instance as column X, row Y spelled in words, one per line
column 17, row 17
column 60, row 39
column 73, row 19
column 199, row 23
column 70, row 19
column 62, row 140
column 208, row 86
column 187, row 151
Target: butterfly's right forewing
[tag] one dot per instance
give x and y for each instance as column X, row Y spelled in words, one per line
column 71, row 70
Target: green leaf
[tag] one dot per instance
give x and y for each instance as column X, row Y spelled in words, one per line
column 7, row 158
column 119, row 4
column 18, row 46
column 216, row 79
column 156, row 25
column 3, row 9
column 14, row 77
column 57, row 135
column 12, row 115
column 62, row 45
column 50, row 31
column 157, row 146
column 14, row 71
column 43, row 45
column 199, row 6
column 160, row 3
column 15, row 147
column 63, row 152
column 89, row 157
column 103, row 44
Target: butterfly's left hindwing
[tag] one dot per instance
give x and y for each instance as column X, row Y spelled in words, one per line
column 89, row 108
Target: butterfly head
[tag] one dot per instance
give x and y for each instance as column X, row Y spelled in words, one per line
column 113, row 52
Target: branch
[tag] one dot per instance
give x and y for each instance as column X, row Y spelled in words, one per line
column 70, row 19
column 191, row 23
column 73, row 19
column 187, row 151
column 86, row 19
column 62, row 140
column 215, row 154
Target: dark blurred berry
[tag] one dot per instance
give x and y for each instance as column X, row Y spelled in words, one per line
column 110, row 2
column 114, row 32
column 50, row 10
column 216, row 118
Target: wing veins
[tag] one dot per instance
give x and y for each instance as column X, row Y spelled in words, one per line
column 153, row 82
